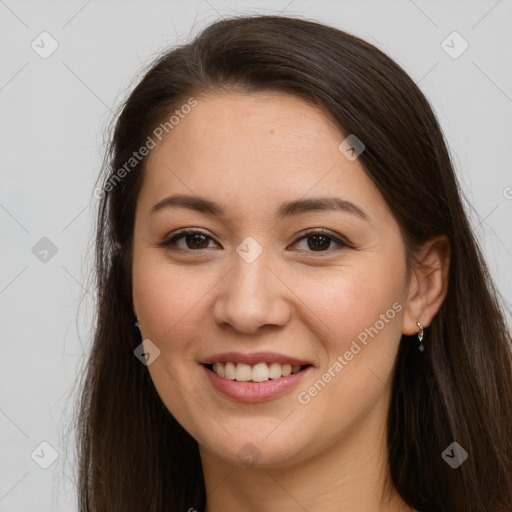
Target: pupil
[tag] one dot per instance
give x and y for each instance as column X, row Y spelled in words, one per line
column 195, row 237
column 319, row 246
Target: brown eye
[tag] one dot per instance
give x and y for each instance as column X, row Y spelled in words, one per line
column 317, row 241
column 193, row 240
column 320, row 241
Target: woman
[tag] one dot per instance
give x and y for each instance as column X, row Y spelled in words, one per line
column 293, row 311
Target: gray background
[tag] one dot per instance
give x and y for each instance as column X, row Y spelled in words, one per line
column 54, row 113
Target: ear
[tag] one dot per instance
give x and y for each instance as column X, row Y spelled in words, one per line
column 428, row 284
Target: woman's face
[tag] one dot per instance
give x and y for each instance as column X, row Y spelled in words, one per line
column 250, row 281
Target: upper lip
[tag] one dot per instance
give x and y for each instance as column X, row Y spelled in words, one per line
column 254, row 358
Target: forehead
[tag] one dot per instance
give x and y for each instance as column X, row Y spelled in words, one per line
column 224, row 124
column 250, row 149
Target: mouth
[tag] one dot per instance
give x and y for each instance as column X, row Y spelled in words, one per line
column 255, row 383
column 260, row 372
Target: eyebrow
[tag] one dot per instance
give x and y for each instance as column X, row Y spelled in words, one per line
column 285, row 209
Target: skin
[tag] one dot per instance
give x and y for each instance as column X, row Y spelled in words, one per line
column 250, row 152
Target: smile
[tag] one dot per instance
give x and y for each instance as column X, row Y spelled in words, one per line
column 248, row 390
column 259, row 372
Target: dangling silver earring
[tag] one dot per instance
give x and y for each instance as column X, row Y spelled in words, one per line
column 138, row 325
column 421, row 347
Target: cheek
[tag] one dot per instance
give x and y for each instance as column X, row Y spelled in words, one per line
column 361, row 312
column 169, row 304
column 348, row 300
column 170, row 298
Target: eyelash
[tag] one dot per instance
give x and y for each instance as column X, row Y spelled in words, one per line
column 310, row 233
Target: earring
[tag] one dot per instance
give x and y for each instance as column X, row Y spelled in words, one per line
column 421, row 347
column 138, row 325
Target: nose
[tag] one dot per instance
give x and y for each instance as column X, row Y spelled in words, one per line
column 252, row 296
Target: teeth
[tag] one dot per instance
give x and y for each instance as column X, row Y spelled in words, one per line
column 275, row 370
column 243, row 372
column 260, row 372
column 219, row 369
column 229, row 371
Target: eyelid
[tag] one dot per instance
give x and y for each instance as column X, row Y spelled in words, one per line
column 167, row 242
column 338, row 239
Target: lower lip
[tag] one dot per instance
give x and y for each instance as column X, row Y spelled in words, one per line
column 255, row 391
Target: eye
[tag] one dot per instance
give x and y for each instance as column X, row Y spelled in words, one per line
column 318, row 240
column 193, row 240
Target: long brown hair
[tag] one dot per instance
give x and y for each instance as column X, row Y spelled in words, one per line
column 132, row 454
